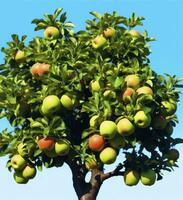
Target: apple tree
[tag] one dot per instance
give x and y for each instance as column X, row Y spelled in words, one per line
column 85, row 99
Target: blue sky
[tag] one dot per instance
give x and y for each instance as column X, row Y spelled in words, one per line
column 164, row 22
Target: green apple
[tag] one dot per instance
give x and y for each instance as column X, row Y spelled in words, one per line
column 173, row 154
column 99, row 41
column 144, row 90
column 142, row 120
column 95, row 86
column 170, row 163
column 132, row 81
column 19, row 178
column 20, row 55
column 24, row 150
column 66, row 102
column 29, row 172
column 125, row 127
column 51, row 32
column 18, row 162
column 50, row 104
column 148, row 177
column 93, row 120
column 134, row 33
column 117, row 142
column 159, row 122
column 131, row 177
column 109, row 32
column 108, row 129
column 62, row 147
column 168, row 108
column 108, row 155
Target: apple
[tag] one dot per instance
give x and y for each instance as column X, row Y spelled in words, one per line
column 62, row 147
column 19, row 178
column 159, row 122
column 66, row 102
column 29, row 172
column 144, row 90
column 109, row 32
column 96, row 142
column 127, row 94
column 24, row 150
column 142, row 120
column 51, row 32
column 117, row 142
column 170, row 163
column 50, row 104
column 93, row 120
column 20, row 55
column 39, row 69
column 108, row 155
column 132, row 81
column 90, row 163
column 109, row 94
column 131, row 177
column 18, row 162
column 46, row 143
column 134, row 33
column 95, row 86
column 125, row 127
column 99, row 41
column 108, row 129
column 173, row 154
column 148, row 177
column 168, row 108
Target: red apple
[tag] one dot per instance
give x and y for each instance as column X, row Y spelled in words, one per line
column 127, row 94
column 96, row 142
column 46, row 143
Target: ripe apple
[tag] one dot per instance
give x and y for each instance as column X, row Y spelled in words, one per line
column 132, row 81
column 125, row 127
column 20, row 55
column 24, row 150
column 168, row 108
column 99, row 41
column 18, row 162
column 134, row 33
column 141, row 119
column 127, row 94
column 148, row 177
column 46, row 143
column 39, row 69
column 51, row 32
column 62, row 147
column 19, row 178
column 96, row 142
column 109, row 32
column 173, row 154
column 131, row 177
column 159, row 122
column 50, row 104
column 108, row 155
column 144, row 90
column 117, row 142
column 95, row 86
column 93, row 120
column 29, row 172
column 108, row 129
column 66, row 102
column 90, row 163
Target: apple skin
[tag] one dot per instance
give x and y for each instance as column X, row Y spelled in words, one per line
column 134, row 33
column 173, row 154
column 148, row 177
column 29, row 172
column 125, row 127
column 46, row 143
column 109, row 32
column 132, row 81
column 108, row 155
column 93, row 120
column 62, row 147
column 142, row 120
column 131, row 177
column 98, row 42
column 50, row 104
column 117, row 142
column 19, row 178
column 96, row 142
column 66, row 102
column 51, row 32
column 39, row 69
column 159, row 122
column 95, row 86
column 168, row 108
column 127, row 94
column 20, row 55
column 144, row 90
column 108, row 129
column 18, row 162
